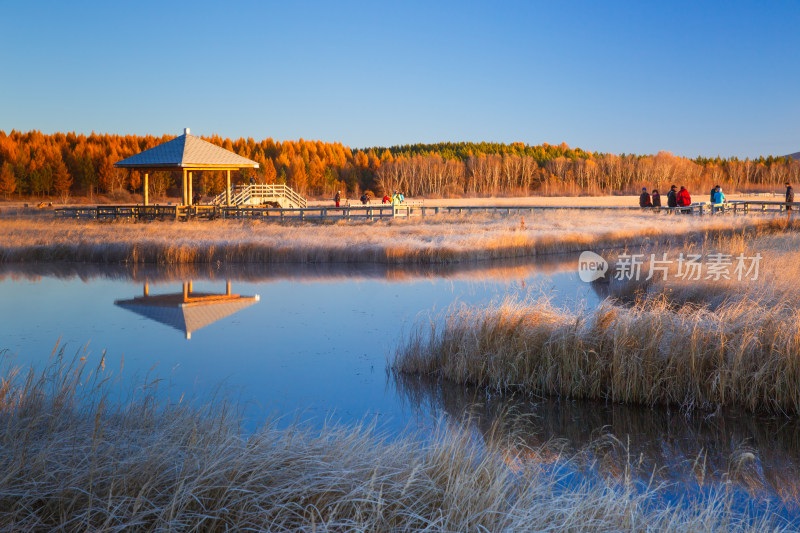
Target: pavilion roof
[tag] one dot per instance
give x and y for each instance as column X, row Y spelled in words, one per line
column 186, row 151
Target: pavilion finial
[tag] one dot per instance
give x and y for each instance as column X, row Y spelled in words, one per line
column 186, row 131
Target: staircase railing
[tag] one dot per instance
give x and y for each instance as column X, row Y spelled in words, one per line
column 241, row 194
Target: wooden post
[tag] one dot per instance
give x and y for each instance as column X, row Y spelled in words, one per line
column 228, row 287
column 185, row 292
column 146, row 175
column 190, row 287
column 228, row 188
column 183, row 187
column 189, row 185
column 146, row 289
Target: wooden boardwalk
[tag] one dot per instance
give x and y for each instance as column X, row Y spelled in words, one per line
column 381, row 211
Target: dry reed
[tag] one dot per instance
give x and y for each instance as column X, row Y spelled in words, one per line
column 738, row 355
column 75, row 459
column 441, row 239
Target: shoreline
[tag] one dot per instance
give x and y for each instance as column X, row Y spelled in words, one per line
column 437, row 240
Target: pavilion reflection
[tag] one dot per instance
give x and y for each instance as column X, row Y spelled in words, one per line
column 187, row 311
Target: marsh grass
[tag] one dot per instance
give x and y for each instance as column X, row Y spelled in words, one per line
column 776, row 283
column 75, row 459
column 738, row 355
column 441, row 239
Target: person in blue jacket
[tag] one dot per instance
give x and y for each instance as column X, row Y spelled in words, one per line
column 719, row 197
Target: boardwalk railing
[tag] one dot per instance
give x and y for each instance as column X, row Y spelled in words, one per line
column 112, row 212
column 380, row 211
column 259, row 194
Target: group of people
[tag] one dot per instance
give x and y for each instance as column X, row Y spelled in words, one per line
column 682, row 198
column 675, row 197
column 395, row 199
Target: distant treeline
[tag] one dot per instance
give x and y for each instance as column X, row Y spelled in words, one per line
column 66, row 164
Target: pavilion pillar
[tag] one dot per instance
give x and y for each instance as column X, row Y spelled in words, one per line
column 191, row 287
column 228, row 188
column 228, row 287
column 189, row 195
column 185, row 291
column 183, row 187
column 146, row 289
column 146, row 188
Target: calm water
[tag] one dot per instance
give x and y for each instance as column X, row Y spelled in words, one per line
column 316, row 343
column 315, row 346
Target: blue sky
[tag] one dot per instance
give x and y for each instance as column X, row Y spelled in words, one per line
column 693, row 78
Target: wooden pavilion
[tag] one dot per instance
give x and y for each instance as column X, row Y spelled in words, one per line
column 187, row 311
column 188, row 154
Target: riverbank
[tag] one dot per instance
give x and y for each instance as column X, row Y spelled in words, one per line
column 439, row 239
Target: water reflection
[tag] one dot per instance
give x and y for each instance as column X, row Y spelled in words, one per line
column 503, row 270
column 759, row 455
column 187, row 311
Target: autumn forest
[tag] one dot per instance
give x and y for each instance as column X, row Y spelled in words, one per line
column 65, row 165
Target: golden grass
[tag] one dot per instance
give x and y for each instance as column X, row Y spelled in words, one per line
column 441, row 239
column 776, row 284
column 75, row 459
column 738, row 355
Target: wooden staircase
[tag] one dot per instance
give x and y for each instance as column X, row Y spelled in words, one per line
column 281, row 195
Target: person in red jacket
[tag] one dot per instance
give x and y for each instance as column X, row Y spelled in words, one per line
column 684, row 200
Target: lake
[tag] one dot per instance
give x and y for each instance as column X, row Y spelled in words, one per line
column 313, row 343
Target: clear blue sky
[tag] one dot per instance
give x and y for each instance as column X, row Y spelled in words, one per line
column 693, row 78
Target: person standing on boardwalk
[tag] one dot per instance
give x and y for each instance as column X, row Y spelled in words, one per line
column 789, row 196
column 719, row 197
column 684, row 199
column 386, row 199
column 656, row 198
column 338, row 198
column 672, row 197
column 396, row 199
column 644, row 199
